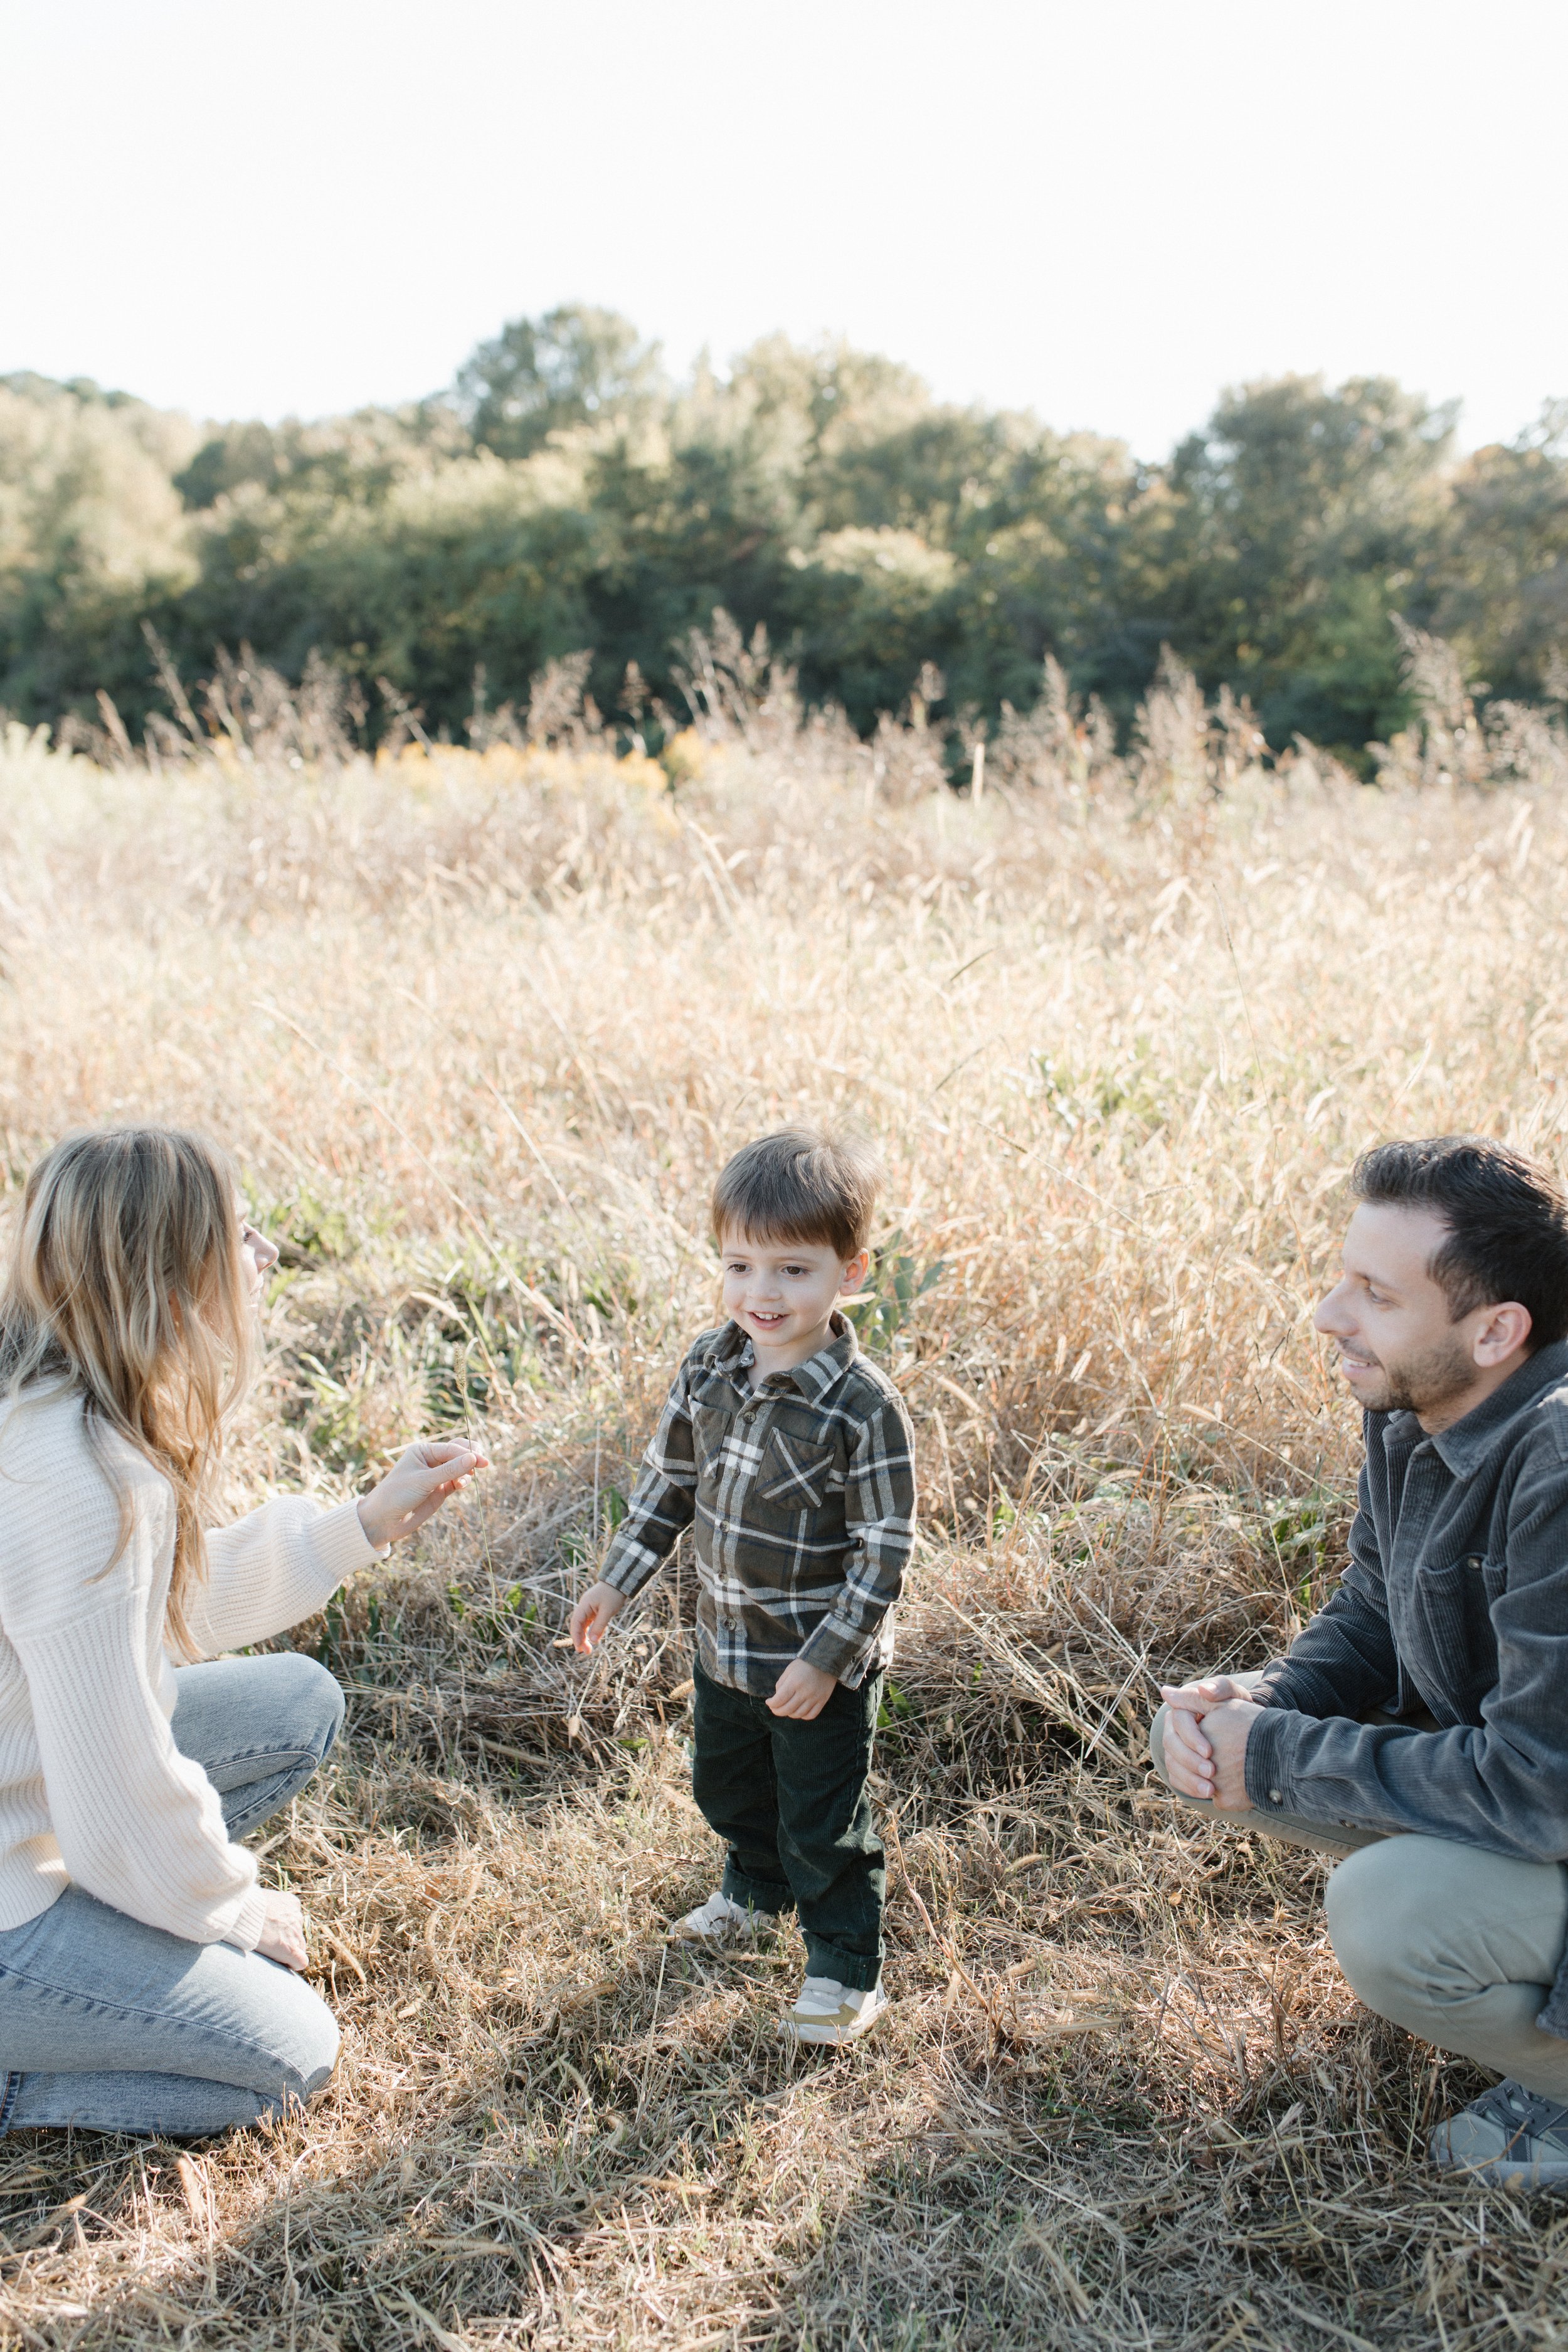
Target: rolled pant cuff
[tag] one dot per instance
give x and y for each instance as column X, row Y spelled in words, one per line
column 774, row 1895
column 853, row 1971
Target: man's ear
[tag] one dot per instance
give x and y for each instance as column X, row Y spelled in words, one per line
column 1503, row 1330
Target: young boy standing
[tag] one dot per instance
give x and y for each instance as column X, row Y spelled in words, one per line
column 790, row 1454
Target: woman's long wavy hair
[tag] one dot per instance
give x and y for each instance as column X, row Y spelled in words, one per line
column 126, row 1287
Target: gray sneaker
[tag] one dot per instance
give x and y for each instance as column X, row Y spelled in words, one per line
column 1508, row 2137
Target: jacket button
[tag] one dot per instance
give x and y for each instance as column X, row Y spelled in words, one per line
column 1275, row 1798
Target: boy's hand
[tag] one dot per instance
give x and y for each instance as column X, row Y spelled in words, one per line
column 592, row 1617
column 802, row 1691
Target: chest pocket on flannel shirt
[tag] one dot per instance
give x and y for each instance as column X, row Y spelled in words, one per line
column 794, row 1474
column 709, row 1429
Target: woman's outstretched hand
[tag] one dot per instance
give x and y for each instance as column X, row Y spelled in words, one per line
column 415, row 1486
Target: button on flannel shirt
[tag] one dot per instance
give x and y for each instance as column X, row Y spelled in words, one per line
column 802, row 1496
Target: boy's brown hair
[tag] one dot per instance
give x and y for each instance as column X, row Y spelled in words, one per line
column 799, row 1185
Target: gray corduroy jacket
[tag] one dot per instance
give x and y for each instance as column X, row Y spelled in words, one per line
column 1455, row 1599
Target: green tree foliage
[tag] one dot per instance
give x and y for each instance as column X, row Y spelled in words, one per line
column 563, row 495
column 1502, row 576
column 92, row 532
column 574, row 366
column 1297, row 524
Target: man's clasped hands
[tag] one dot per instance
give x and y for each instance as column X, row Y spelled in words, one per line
column 1206, row 1734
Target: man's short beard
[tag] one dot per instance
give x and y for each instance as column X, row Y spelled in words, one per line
column 1421, row 1383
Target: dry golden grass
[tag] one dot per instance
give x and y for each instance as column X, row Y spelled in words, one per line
column 481, row 1029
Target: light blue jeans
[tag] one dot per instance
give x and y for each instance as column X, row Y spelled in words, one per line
column 108, row 2026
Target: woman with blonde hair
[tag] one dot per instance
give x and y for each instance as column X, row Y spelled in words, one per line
column 148, row 1982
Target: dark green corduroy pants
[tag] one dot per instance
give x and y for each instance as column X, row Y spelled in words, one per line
column 789, row 1801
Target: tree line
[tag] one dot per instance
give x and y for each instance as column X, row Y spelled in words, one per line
column 564, row 494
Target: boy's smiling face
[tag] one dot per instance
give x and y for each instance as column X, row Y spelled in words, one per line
column 783, row 1294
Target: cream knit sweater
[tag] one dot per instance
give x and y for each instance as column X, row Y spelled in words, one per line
column 92, row 1788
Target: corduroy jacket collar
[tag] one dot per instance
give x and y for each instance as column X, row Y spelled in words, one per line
column 1466, row 1445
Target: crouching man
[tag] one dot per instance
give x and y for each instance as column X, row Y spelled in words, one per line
column 1418, row 1725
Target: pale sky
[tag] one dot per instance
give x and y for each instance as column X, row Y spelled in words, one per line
column 1105, row 212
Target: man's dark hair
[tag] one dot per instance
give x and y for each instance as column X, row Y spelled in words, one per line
column 799, row 1185
column 1507, row 1218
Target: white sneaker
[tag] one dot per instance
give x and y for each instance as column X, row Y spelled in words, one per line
column 827, row 2011
column 719, row 1921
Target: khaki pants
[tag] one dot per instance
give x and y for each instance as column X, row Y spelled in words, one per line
column 1457, row 1945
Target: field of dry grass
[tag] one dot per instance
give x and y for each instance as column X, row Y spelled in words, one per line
column 480, row 1025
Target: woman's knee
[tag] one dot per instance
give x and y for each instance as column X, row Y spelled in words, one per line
column 318, row 2060
column 310, row 1703
column 304, row 2041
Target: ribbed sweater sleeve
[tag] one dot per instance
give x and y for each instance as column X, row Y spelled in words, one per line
column 272, row 1568
column 139, row 1825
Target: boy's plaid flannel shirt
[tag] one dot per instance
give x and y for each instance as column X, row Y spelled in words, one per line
column 803, row 1496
